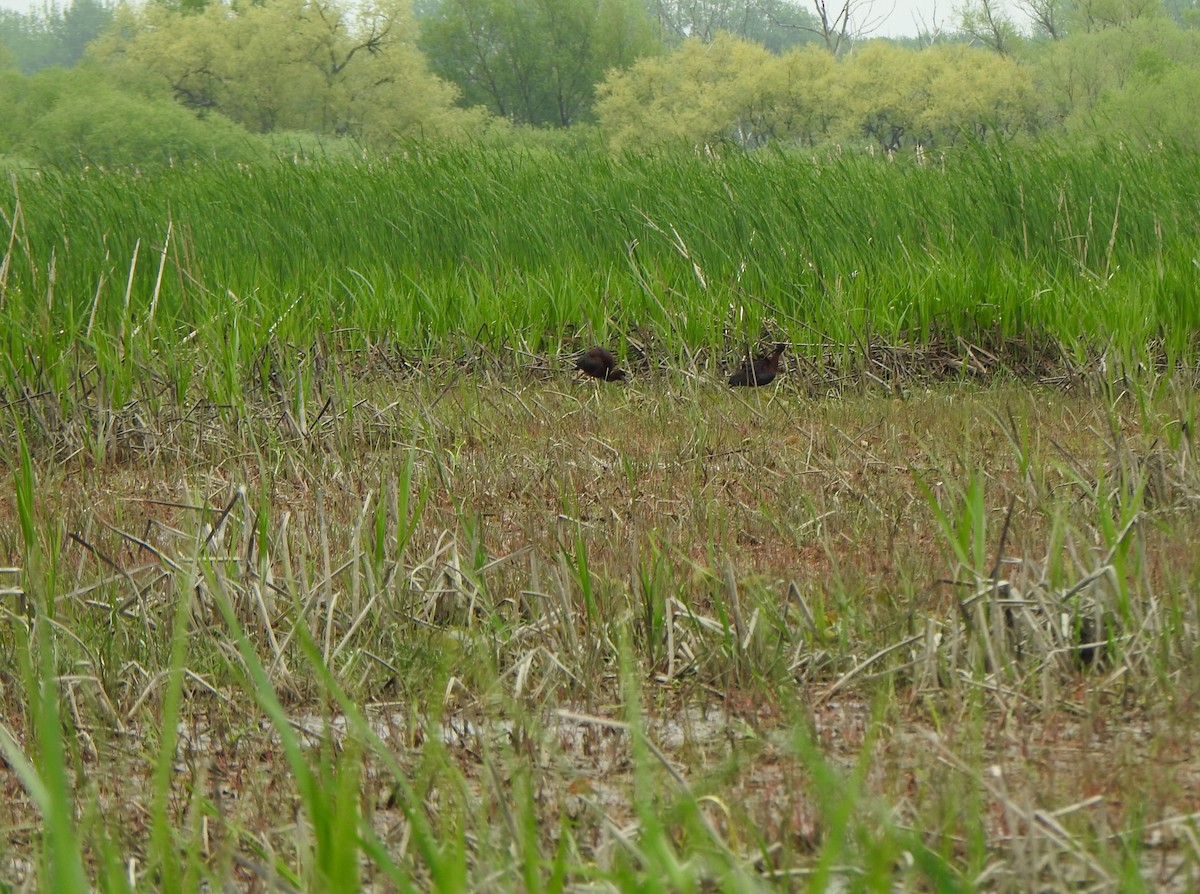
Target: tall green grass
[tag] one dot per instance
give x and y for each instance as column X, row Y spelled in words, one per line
column 110, row 269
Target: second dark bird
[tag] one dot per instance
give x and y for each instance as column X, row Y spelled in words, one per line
column 760, row 371
column 600, row 364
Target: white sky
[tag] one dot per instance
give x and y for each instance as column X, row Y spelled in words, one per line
column 905, row 17
column 891, row 17
column 20, row 5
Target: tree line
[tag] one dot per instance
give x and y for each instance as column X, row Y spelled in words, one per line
column 177, row 79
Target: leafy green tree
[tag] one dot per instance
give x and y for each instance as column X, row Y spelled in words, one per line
column 680, row 98
column 10, row 81
column 184, row 54
column 1075, row 72
column 8, row 60
column 1097, row 15
column 835, row 24
column 971, row 91
column 988, row 24
column 726, row 89
column 295, row 65
column 882, row 90
column 56, row 36
column 1135, row 81
column 899, row 97
column 1156, row 107
column 534, row 61
column 28, row 41
column 1047, row 18
column 77, row 25
column 78, row 116
column 1184, row 12
column 778, row 25
column 804, row 104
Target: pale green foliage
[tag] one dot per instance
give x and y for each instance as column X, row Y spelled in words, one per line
column 882, row 91
column 77, row 115
column 184, row 53
column 1146, row 84
column 804, row 98
column 354, row 75
column 10, row 82
column 1135, row 80
column 273, row 58
column 1157, row 108
column 732, row 89
column 1098, row 15
column 295, row 65
column 704, row 92
column 972, row 91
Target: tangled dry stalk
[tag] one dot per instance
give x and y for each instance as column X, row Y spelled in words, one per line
column 939, row 636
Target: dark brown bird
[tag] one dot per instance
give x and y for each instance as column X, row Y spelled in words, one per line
column 600, row 364
column 760, row 371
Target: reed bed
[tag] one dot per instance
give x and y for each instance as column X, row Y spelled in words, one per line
column 1092, row 252
column 321, row 570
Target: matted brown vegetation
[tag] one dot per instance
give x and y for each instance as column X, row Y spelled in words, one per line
column 913, row 633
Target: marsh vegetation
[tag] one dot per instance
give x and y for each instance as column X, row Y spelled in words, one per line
column 325, row 570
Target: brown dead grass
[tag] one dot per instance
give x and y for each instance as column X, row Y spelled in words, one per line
column 823, row 497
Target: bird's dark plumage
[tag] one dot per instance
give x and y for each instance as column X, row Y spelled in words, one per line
column 600, row 364
column 761, row 371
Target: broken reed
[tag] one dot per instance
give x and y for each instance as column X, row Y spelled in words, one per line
column 1092, row 250
column 380, row 592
